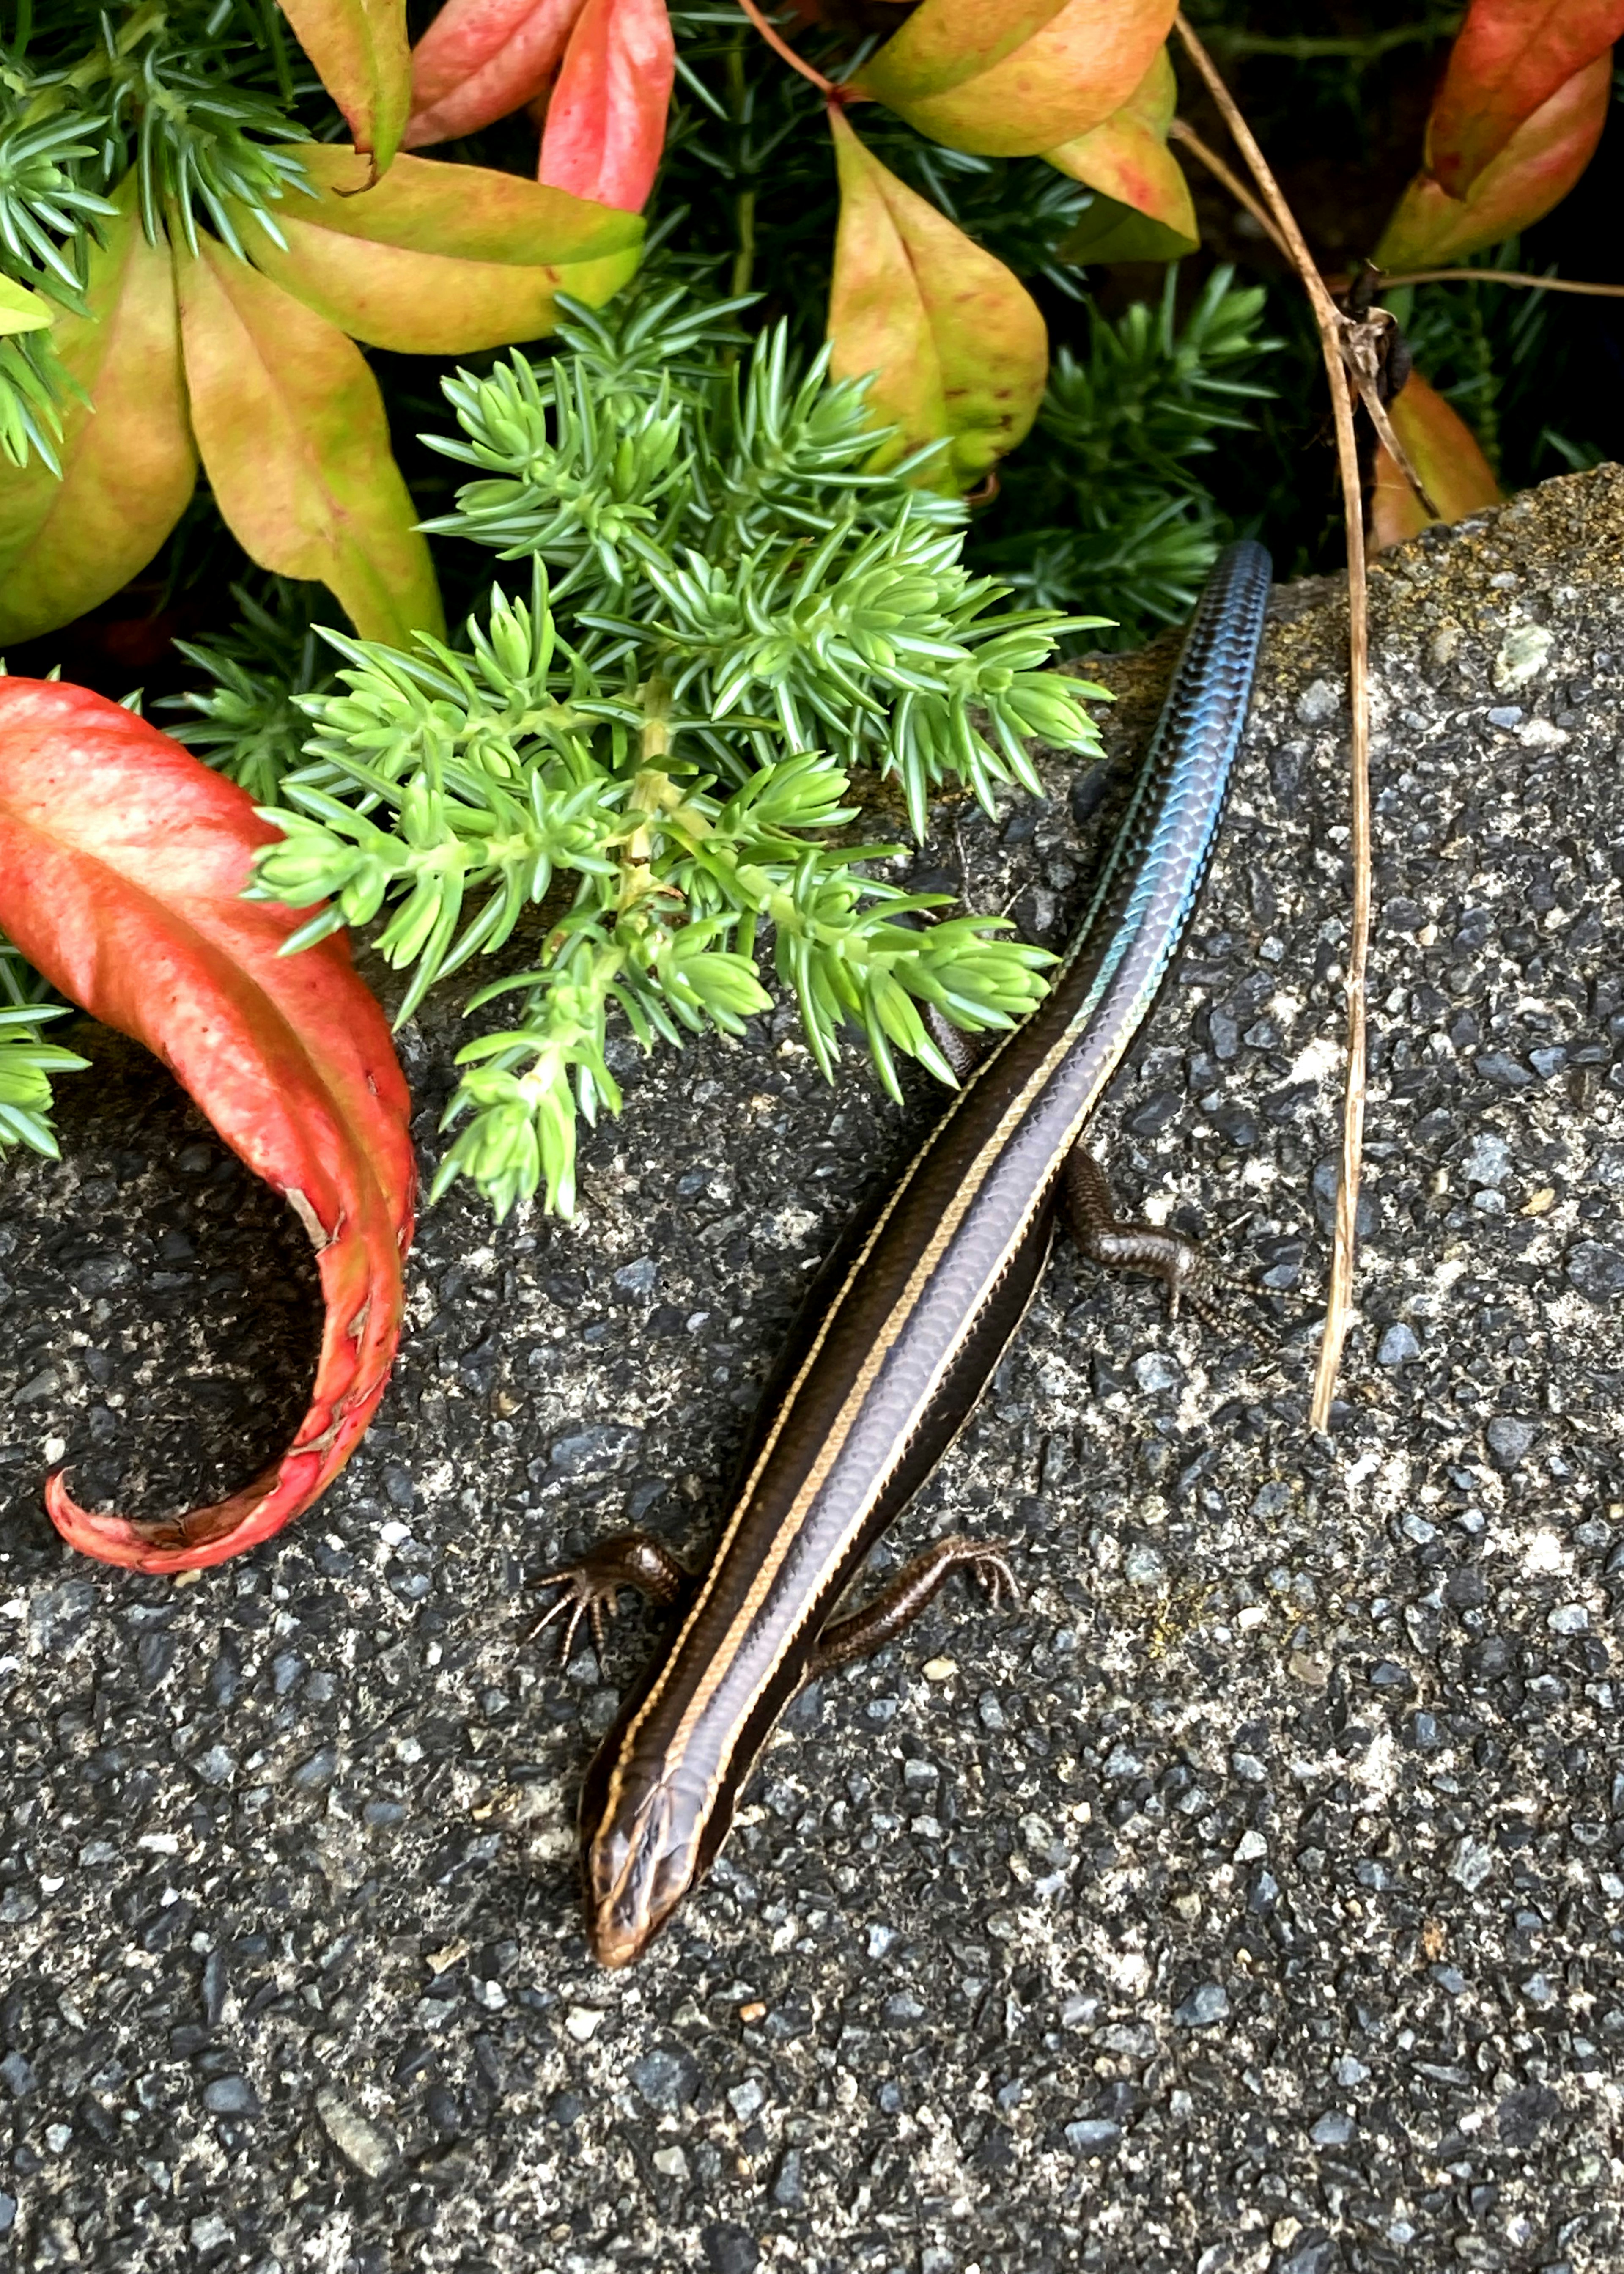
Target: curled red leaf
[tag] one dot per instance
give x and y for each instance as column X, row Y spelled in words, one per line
column 122, row 861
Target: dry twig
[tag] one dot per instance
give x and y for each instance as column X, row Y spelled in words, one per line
column 1180, row 131
column 1338, row 348
column 1387, row 284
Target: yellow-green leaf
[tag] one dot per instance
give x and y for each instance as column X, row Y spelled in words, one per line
column 1011, row 78
column 1445, row 454
column 957, row 346
column 364, row 59
column 436, row 258
column 946, row 41
column 128, row 466
column 1138, row 178
column 21, row 309
column 292, row 428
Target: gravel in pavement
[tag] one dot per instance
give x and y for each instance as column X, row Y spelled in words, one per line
column 1248, row 1902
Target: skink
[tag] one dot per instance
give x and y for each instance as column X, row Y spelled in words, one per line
column 893, row 1367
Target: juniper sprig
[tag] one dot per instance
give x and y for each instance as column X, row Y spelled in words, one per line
column 27, row 1060
column 732, row 632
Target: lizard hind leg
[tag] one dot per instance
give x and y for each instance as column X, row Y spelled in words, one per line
column 897, row 1605
column 1129, row 1244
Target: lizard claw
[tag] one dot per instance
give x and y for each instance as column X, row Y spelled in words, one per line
column 591, row 1587
column 587, row 1594
column 1203, row 1292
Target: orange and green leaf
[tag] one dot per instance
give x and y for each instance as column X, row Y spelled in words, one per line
column 945, row 42
column 439, row 260
column 362, row 57
column 1011, row 78
column 1127, row 161
column 290, row 426
column 1531, row 174
column 123, row 861
column 1509, row 58
column 128, row 465
column 1445, row 454
column 956, row 347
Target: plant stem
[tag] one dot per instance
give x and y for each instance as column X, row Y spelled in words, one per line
column 1498, row 277
column 1310, row 48
column 781, row 45
column 1178, row 132
column 1333, row 328
column 744, row 259
column 744, row 202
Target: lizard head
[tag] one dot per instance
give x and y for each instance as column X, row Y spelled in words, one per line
column 648, row 1838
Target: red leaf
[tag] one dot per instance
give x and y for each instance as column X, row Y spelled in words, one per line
column 606, row 121
column 122, row 859
column 1535, row 171
column 1509, row 58
column 1445, row 454
column 479, row 59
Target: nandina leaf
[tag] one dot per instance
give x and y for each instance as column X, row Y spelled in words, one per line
column 957, row 346
column 945, row 42
column 1015, row 77
column 439, row 260
column 122, row 863
column 1109, row 232
column 479, row 59
column 606, row 121
column 128, row 466
column 360, row 51
column 1445, row 454
column 1509, row 58
column 1533, row 172
column 292, row 428
column 21, row 309
column 1128, row 161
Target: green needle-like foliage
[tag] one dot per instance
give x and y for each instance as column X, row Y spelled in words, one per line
column 1108, row 498
column 27, row 1060
column 733, row 632
column 248, row 725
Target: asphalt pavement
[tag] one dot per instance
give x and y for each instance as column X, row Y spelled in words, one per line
column 1248, row 1902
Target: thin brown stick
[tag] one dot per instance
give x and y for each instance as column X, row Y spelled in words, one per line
column 1325, row 308
column 1179, row 131
column 1334, row 329
column 1496, row 276
column 781, row 45
column 1339, row 1314
column 1362, row 367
